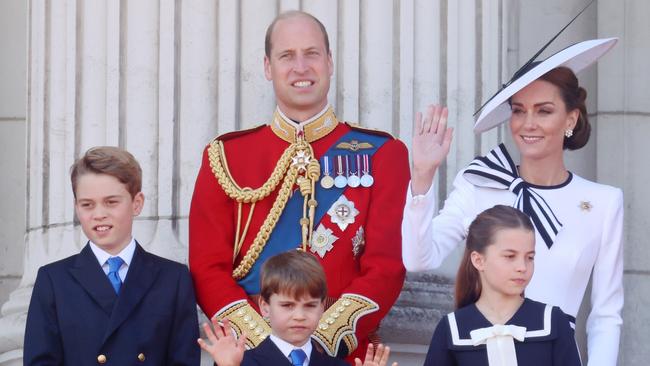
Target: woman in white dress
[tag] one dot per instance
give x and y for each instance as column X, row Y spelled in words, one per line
column 578, row 223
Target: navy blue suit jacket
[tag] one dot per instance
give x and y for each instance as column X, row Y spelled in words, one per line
column 268, row 354
column 75, row 316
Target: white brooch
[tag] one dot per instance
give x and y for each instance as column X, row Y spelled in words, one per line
column 322, row 240
column 585, row 206
column 343, row 212
column 300, row 160
column 358, row 242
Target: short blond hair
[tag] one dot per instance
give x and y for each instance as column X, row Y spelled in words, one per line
column 268, row 45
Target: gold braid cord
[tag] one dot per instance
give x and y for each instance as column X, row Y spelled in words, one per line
column 220, row 169
column 296, row 165
column 244, row 319
column 338, row 323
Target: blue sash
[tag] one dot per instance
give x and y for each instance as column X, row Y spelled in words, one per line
column 287, row 233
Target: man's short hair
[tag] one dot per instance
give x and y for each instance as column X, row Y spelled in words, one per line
column 288, row 15
column 112, row 161
column 294, row 273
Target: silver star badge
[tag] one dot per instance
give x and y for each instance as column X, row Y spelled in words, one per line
column 342, row 212
column 300, row 160
column 322, row 240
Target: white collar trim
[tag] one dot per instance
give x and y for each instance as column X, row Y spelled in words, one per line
column 102, row 256
column 299, row 125
column 286, row 347
column 457, row 341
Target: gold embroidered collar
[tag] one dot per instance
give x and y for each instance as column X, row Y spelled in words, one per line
column 312, row 129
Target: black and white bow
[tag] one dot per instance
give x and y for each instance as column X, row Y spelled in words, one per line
column 497, row 170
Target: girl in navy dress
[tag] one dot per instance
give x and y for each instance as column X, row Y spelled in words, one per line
column 494, row 324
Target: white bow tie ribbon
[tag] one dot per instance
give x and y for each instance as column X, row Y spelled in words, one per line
column 499, row 341
column 498, row 170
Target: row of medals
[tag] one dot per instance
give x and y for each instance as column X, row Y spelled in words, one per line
column 350, row 170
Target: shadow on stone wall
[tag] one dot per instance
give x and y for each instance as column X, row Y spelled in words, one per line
column 425, row 298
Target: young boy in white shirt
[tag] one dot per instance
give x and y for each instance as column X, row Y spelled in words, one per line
column 113, row 303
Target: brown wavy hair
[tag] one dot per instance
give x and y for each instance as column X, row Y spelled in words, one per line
column 109, row 160
column 574, row 97
column 294, row 273
column 481, row 235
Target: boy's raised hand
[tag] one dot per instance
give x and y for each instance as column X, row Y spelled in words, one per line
column 375, row 358
column 224, row 348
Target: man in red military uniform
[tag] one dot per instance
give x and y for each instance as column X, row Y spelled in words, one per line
column 307, row 181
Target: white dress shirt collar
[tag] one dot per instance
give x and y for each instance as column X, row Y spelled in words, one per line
column 126, row 254
column 286, row 348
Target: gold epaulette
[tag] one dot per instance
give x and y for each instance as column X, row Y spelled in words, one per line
column 244, row 319
column 338, row 323
column 372, row 131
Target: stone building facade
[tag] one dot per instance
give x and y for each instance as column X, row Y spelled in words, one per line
column 162, row 77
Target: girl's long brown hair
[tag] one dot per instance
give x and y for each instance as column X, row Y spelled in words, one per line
column 481, row 235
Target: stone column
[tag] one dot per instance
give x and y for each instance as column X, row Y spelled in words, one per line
column 50, row 232
column 623, row 119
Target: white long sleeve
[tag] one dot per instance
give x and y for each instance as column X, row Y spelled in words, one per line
column 427, row 238
column 604, row 321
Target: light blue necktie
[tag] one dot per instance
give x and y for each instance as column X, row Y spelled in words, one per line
column 114, row 264
column 298, row 357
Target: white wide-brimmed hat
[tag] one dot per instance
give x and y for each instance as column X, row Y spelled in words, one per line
column 576, row 57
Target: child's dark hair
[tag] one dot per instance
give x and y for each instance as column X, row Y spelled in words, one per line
column 109, row 160
column 294, row 273
column 481, row 235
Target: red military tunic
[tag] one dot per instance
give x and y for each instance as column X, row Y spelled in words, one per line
column 372, row 277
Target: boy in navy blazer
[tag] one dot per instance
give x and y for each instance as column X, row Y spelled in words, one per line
column 292, row 299
column 113, row 303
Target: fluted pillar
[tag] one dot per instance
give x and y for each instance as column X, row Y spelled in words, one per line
column 622, row 145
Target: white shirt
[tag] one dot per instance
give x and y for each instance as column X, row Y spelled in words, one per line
column 590, row 240
column 126, row 254
column 286, row 348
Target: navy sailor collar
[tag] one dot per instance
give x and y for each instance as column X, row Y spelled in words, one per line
column 535, row 316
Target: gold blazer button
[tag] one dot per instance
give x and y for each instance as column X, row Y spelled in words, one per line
column 141, row 357
column 101, row 359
